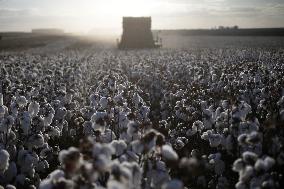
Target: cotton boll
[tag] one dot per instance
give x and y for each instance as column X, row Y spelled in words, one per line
column 215, row 140
column 4, row 159
column 22, row 101
column 1, row 99
column 206, row 134
column 137, row 146
column 33, row 108
column 281, row 114
column 246, row 174
column 42, row 166
column 119, row 146
column 253, row 138
column 173, row 184
column 54, row 132
column 259, row 165
column 35, row 141
column 113, row 184
column 179, row 144
column 103, row 149
column 132, row 128
column 238, row 165
column 107, row 136
column 48, row 119
column 56, row 174
column 70, row 160
column 242, row 139
column 192, row 131
column 46, row 184
column 168, row 153
column 103, row 102
column 136, row 99
column 241, row 185
column 269, row 162
column 225, row 104
column 9, row 186
column 249, row 157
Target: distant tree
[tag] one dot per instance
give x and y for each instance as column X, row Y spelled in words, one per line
column 0, row 37
column 221, row 27
column 235, row 27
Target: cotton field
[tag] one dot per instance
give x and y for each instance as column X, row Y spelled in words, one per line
column 145, row 119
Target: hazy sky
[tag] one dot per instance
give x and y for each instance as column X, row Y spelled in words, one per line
column 84, row 15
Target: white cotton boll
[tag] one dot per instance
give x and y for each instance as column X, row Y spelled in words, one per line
column 192, row 131
column 203, row 105
column 242, row 139
column 3, row 110
column 281, row 115
column 4, row 159
column 269, row 162
column 48, row 119
column 103, row 102
column 119, row 146
column 54, row 132
column 173, row 184
column 56, row 174
column 240, row 185
column 113, row 184
column 144, row 112
column 249, row 157
column 42, row 166
column 168, row 153
column 281, row 101
column 98, row 115
column 105, row 149
column 36, row 141
column 179, row 144
column 215, row 140
column 132, row 128
column 199, row 125
column 22, row 101
column 137, row 146
column 246, row 174
column 118, row 98
column 225, row 104
column 1, row 99
column 46, row 184
column 33, row 108
column 60, row 113
column 9, row 186
column 206, row 135
column 259, row 165
column 107, row 136
column 238, row 165
column 136, row 99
